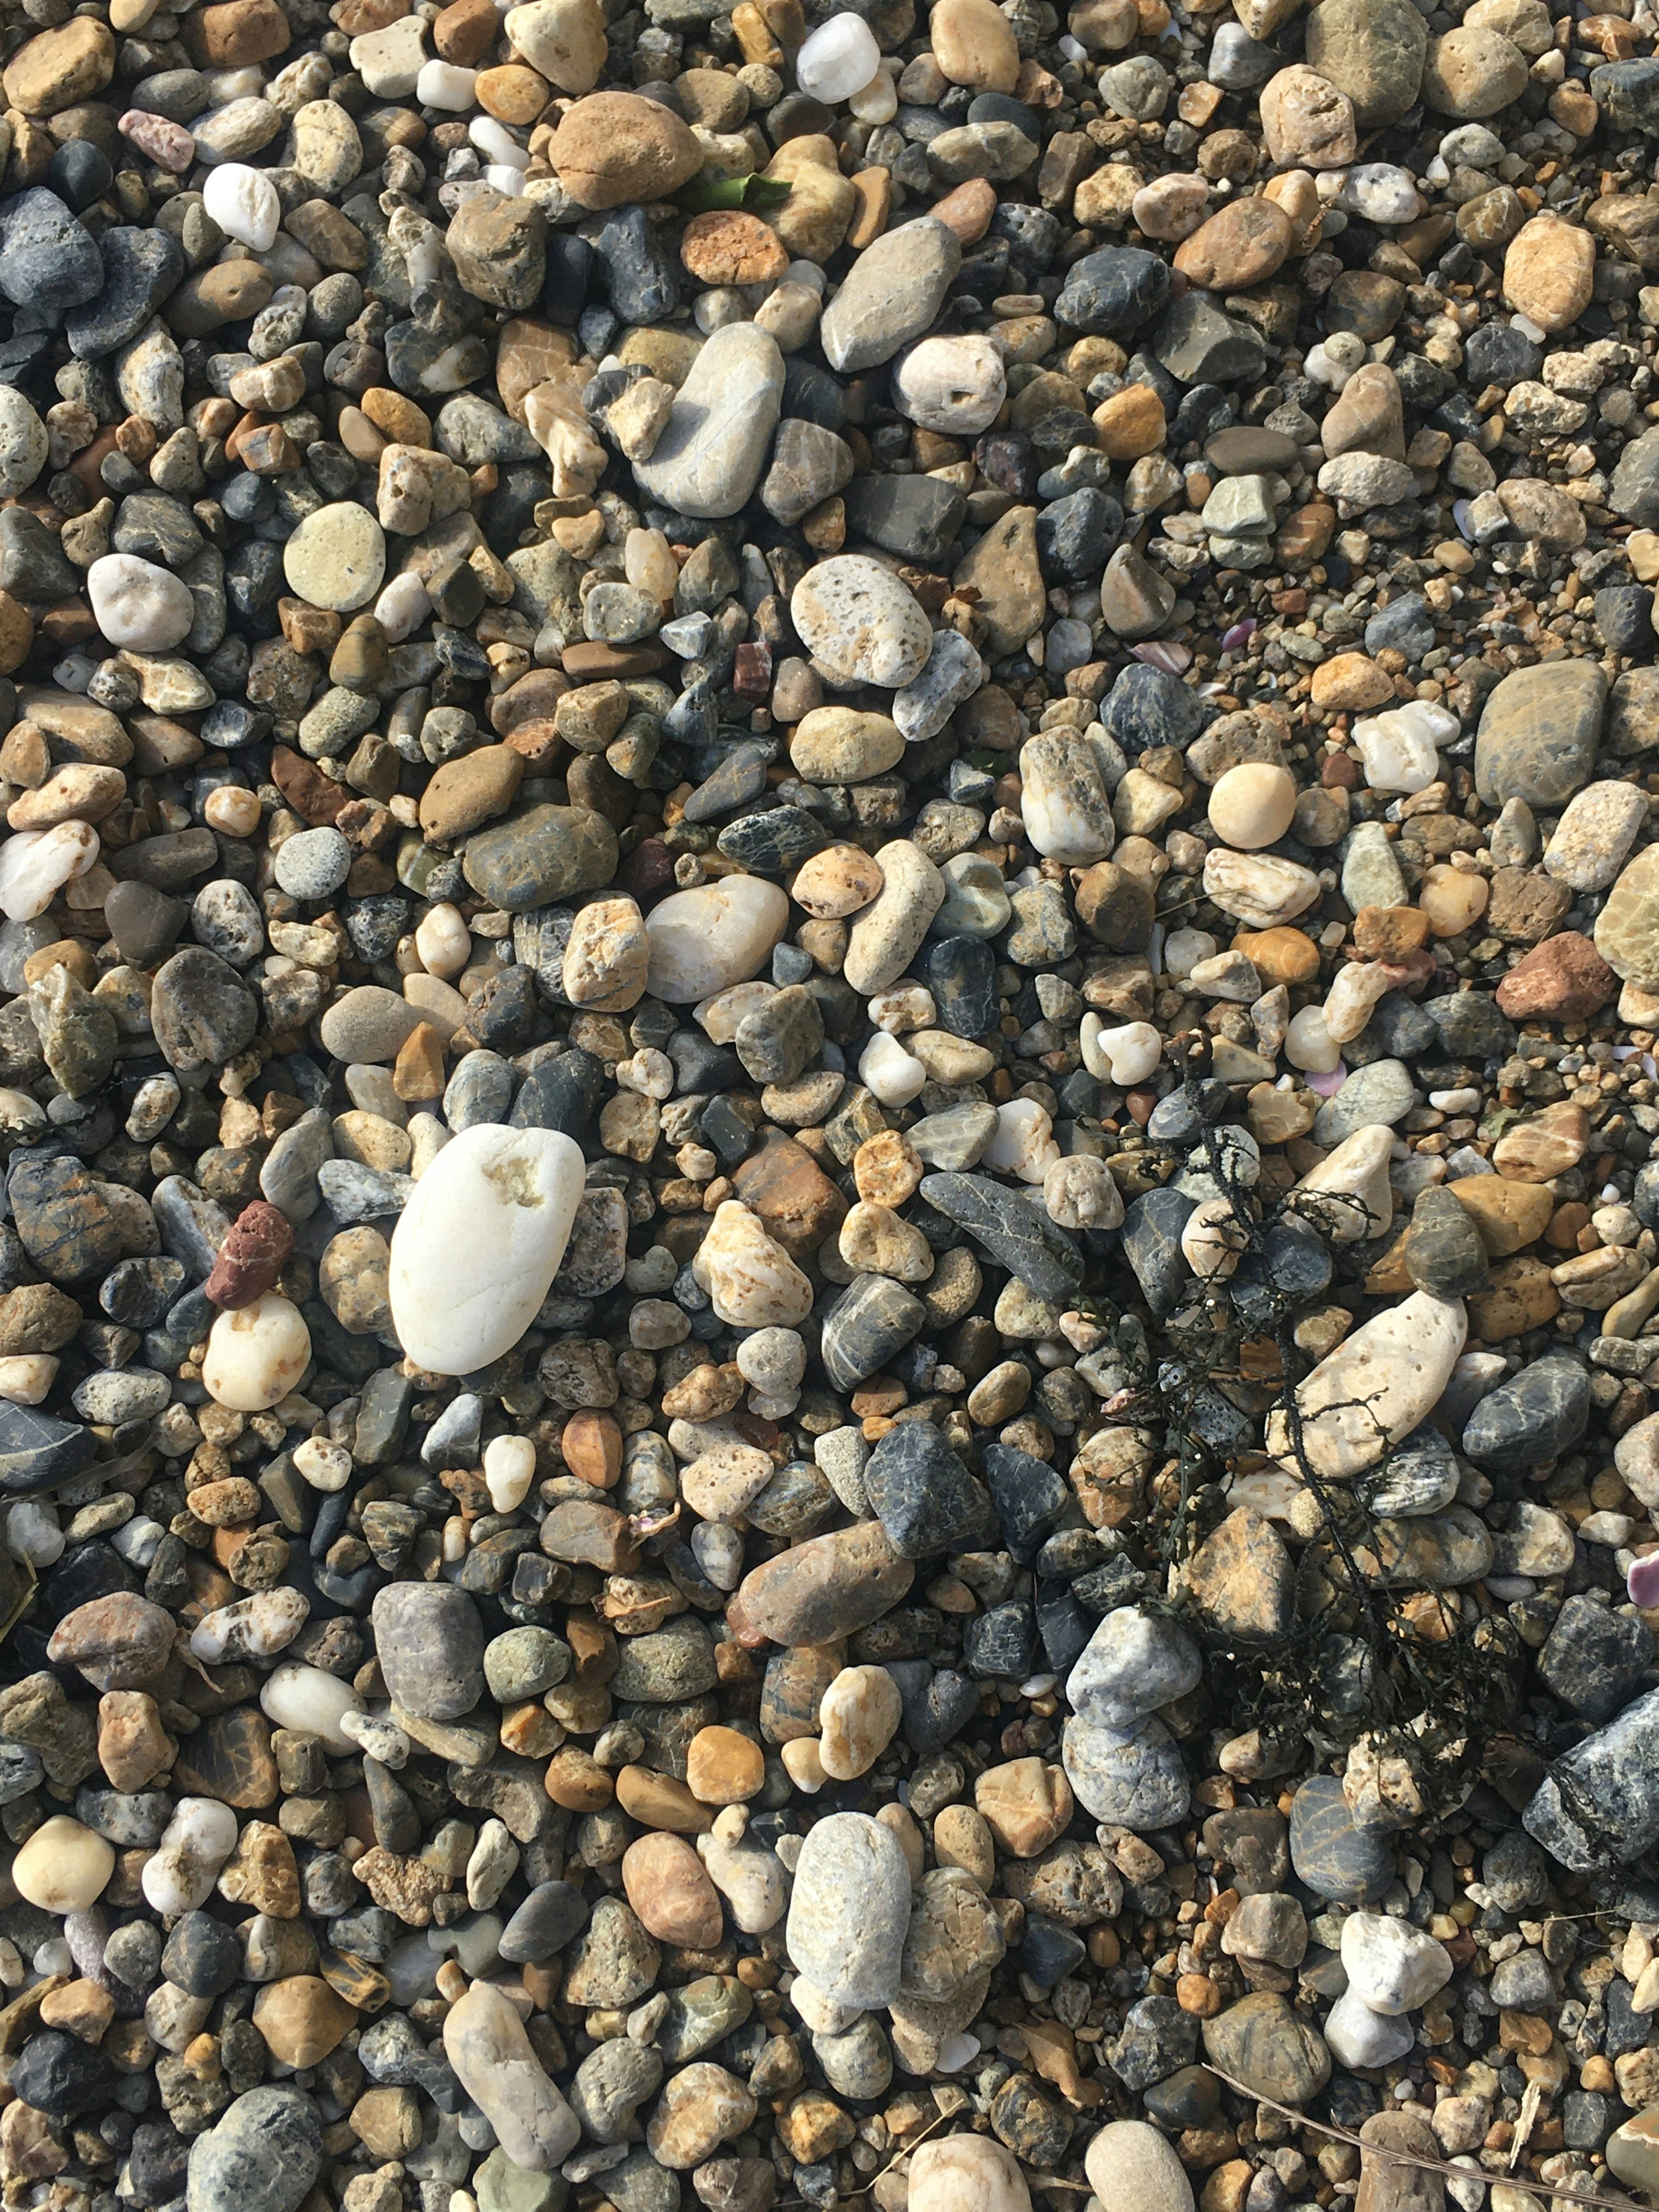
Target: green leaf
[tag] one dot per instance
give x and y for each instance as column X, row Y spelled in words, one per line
column 705, row 196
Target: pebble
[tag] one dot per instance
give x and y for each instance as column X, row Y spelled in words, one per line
column 476, row 1250
column 849, row 1909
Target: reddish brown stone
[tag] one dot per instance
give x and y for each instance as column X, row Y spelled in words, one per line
column 1526, row 905
column 313, row 796
column 646, row 873
column 252, row 1256
column 785, row 1185
column 1565, row 980
column 827, row 1588
column 531, row 699
column 592, row 1535
column 230, row 1758
column 120, row 1642
column 466, row 31
column 237, row 33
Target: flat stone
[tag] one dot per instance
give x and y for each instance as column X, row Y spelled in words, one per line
column 1538, row 733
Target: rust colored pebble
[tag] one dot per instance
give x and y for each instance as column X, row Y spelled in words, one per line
column 466, row 30
column 314, row 797
column 238, row 33
column 967, row 211
column 252, row 1256
column 1564, row 979
column 592, row 1442
column 1198, row 1994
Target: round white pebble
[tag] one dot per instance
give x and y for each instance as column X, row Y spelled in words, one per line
column 256, row 1355
column 402, row 607
column 839, row 59
column 890, row 1073
column 138, row 604
column 243, row 204
column 445, row 84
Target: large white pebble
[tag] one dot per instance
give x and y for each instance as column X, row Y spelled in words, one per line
column 243, row 202
column 967, row 2173
column 1391, row 1966
column 956, row 384
column 1125, row 1054
column 476, row 1247
column 311, row 1702
column 890, row 1073
column 138, row 604
column 36, row 863
column 705, row 941
column 839, row 59
column 256, row 1355
column 195, row 1843
column 445, row 84
column 63, row 1866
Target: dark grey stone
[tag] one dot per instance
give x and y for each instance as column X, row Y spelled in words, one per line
column 1536, row 1415
column 1346, row 1864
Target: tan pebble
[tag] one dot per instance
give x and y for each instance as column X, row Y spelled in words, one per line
column 723, row 1767
column 1549, row 270
column 1251, row 805
column 1026, row 1804
column 973, row 44
column 857, row 1718
column 1131, row 423
column 672, row 1897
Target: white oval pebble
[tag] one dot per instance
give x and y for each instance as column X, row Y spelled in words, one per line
column 306, row 1700
column 243, row 204
column 195, row 1843
column 36, row 863
column 476, row 1249
column 1123, row 1055
column 257, row 1354
column 839, row 59
column 704, row 940
column 890, row 1073
column 509, row 1469
column 402, row 607
column 325, row 1465
column 139, row 605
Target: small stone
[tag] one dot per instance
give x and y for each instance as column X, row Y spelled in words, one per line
column 710, row 454
column 1349, row 1865
column 335, row 558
